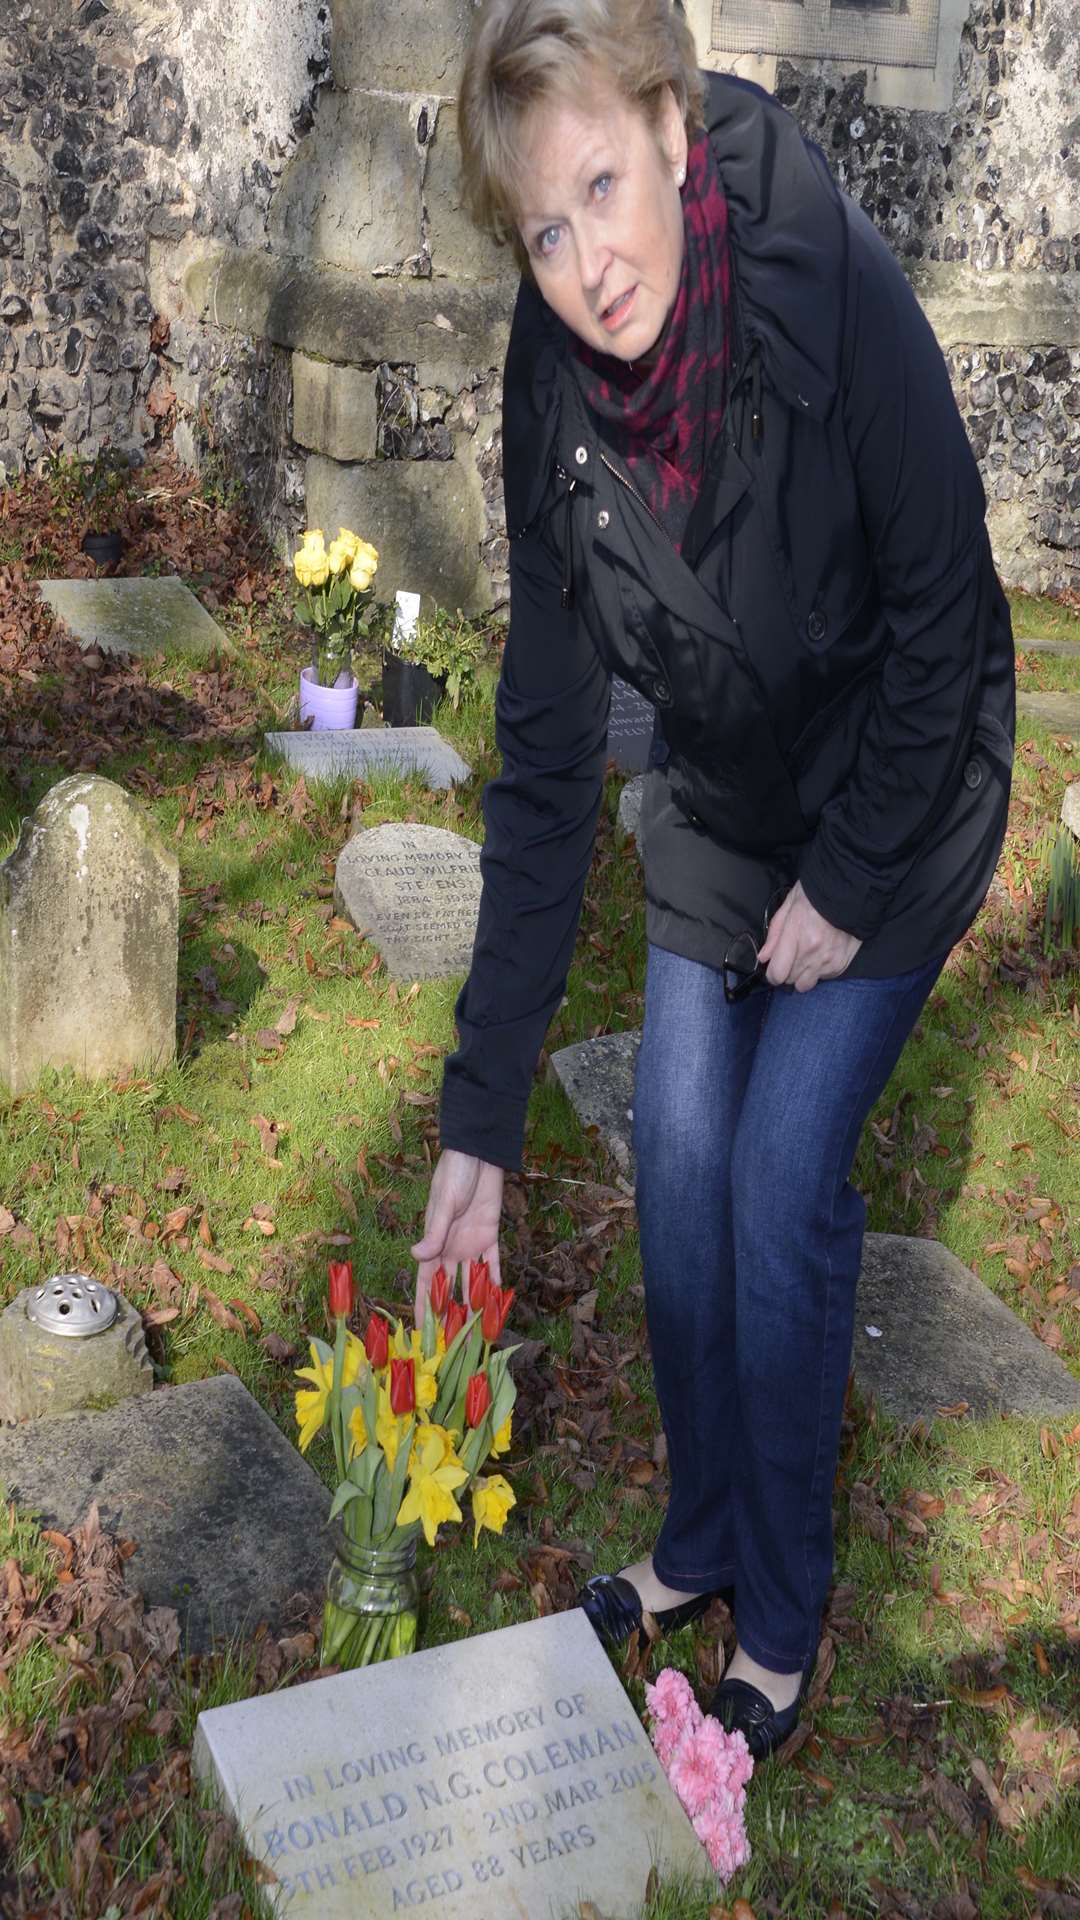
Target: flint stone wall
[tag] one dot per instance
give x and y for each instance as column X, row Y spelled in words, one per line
column 321, row 220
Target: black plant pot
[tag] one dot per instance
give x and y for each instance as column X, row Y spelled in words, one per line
column 104, row 548
column 409, row 692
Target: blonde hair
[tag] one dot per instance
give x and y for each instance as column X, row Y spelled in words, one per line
column 523, row 53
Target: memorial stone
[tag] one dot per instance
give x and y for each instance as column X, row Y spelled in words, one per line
column 362, row 750
column 629, row 812
column 597, row 1077
column 630, row 727
column 502, row 1775
column 89, row 909
column 1070, row 808
column 43, row 1374
column 140, row 615
column 415, row 892
column 1059, row 713
column 228, row 1519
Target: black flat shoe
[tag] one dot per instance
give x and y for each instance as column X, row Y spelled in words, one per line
column 613, row 1608
column 740, row 1707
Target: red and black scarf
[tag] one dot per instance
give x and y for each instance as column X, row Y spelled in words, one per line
column 661, row 420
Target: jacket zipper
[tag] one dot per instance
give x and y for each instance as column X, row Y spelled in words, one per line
column 631, row 489
column 566, row 594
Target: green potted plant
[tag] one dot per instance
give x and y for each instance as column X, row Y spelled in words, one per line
column 335, row 605
column 431, row 658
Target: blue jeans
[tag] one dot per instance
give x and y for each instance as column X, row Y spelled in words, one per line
column 746, row 1121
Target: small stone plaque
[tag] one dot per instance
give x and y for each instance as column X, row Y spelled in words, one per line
column 630, row 727
column 359, row 750
column 1058, row 712
column 415, row 892
column 140, row 616
column 506, row 1775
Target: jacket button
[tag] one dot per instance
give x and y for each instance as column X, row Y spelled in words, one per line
column 662, row 694
column 602, row 518
column 817, row 625
column 973, row 774
column 581, row 455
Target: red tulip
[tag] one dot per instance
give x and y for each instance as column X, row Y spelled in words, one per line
column 479, row 1282
column 477, row 1399
column 453, row 1321
column 341, row 1288
column 402, row 1387
column 439, row 1291
column 377, row 1340
column 496, row 1311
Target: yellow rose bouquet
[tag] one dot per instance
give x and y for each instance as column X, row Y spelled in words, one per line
column 337, row 589
column 413, row 1417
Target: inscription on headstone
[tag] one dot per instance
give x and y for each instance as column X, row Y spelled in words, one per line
column 630, row 727
column 503, row 1775
column 415, row 891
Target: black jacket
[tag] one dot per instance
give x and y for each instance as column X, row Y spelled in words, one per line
column 830, row 656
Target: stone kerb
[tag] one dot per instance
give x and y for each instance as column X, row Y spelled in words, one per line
column 89, row 909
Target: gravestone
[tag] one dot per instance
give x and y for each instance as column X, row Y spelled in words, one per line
column 1061, row 649
column 940, row 1334
column 1070, row 808
column 629, row 811
column 89, row 906
column 504, row 1775
column 228, row 1519
column 415, row 892
column 1058, row 712
column 357, row 751
column 44, row 1374
column 141, row 616
column 630, row 727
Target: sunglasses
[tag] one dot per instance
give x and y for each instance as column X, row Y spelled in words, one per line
column 742, row 970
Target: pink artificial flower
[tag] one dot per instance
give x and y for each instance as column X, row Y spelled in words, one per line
column 708, row 1769
column 723, row 1836
column 693, row 1771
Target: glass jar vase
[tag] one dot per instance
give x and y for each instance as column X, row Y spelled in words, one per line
column 372, row 1602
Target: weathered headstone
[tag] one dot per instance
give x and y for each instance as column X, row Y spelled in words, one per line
column 597, row 1077
column 89, row 908
column 140, row 615
column 629, row 810
column 227, row 1517
column 415, row 892
column 1057, row 712
column 630, row 727
column 44, row 1374
column 940, row 1334
column 502, row 1775
column 360, row 750
column 1070, row 808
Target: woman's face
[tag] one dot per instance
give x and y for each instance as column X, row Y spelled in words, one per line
column 602, row 218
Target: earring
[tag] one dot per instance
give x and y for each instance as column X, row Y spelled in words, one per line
column 680, row 177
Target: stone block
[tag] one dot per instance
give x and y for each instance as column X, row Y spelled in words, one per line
column 89, row 912
column 350, row 196
column 405, row 45
column 597, row 1077
column 228, row 1519
column 372, row 749
column 1058, row 712
column 44, row 1374
column 442, row 329
column 333, row 409
column 503, row 1775
column 629, row 811
column 415, row 892
column 425, row 516
column 630, row 727
column 1070, row 808
column 140, row 616
column 458, row 249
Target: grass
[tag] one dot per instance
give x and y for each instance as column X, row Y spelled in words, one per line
column 298, row 1121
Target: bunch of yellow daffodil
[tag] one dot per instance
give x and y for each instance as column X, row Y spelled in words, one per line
column 337, row 582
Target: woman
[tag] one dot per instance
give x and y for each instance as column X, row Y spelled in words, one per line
column 735, row 475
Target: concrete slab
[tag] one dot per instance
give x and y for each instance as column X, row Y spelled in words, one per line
column 140, row 616
column 227, row 1517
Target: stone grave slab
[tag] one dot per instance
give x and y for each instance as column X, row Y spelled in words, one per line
column 228, row 1518
column 629, row 813
column 597, row 1077
column 1062, row 649
column 941, row 1335
column 89, row 914
column 140, row 616
column 360, row 750
column 415, row 892
column 504, row 1775
column 630, row 727
column 1057, row 712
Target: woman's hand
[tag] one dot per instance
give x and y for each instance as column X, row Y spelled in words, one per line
column 461, row 1222
column 802, row 947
